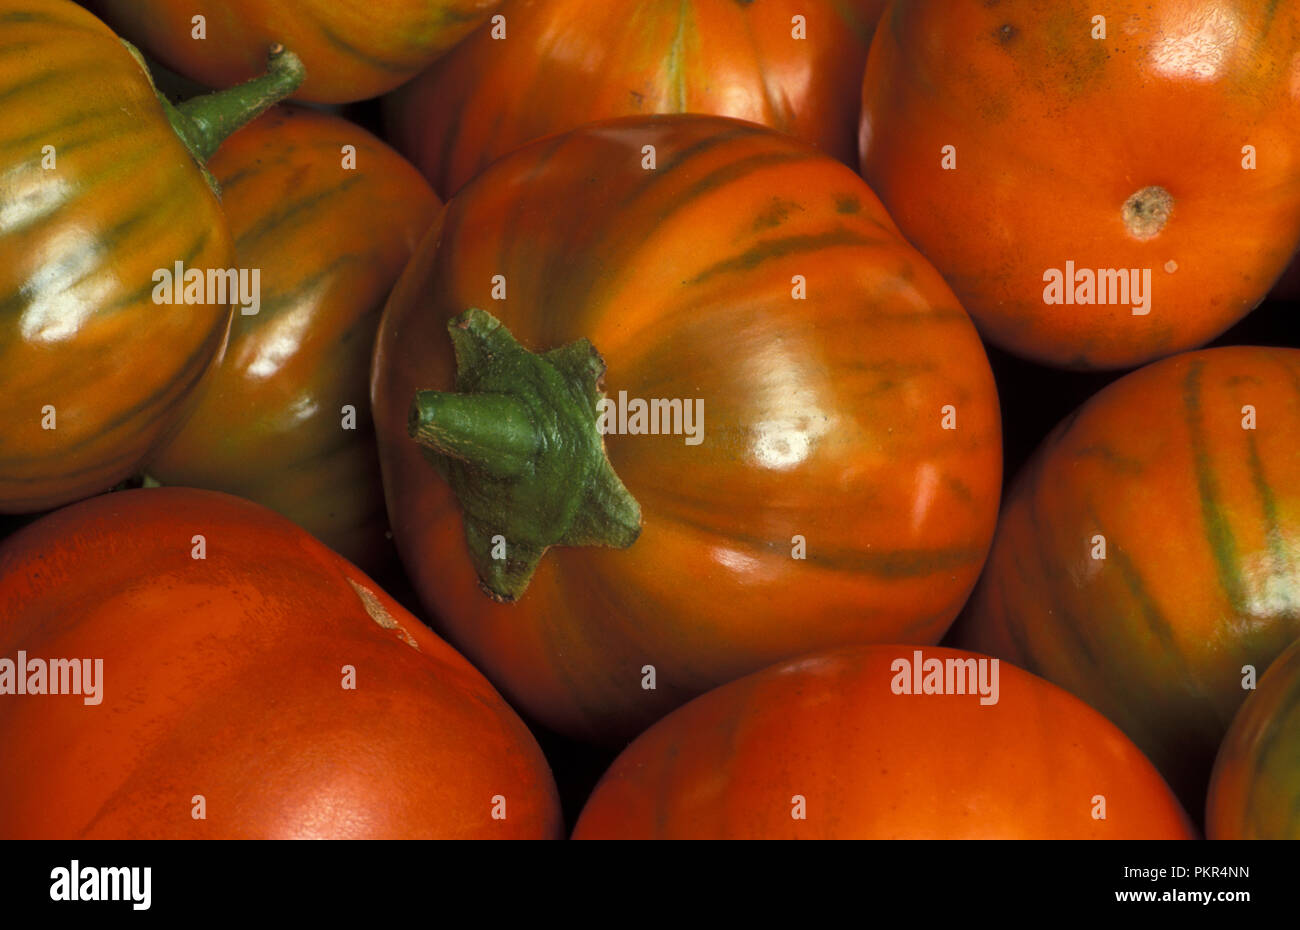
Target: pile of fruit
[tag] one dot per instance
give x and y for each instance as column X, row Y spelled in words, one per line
column 530, row 418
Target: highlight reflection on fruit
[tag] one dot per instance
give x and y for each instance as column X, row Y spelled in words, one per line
column 1147, row 553
column 674, row 380
column 747, row 276
column 268, row 685
column 828, row 747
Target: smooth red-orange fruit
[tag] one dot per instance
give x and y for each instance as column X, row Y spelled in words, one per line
column 224, row 689
column 822, row 747
column 1166, row 147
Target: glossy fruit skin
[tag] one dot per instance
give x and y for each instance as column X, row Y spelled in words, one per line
column 822, row 416
column 329, row 242
column 79, row 245
column 1255, row 789
column 1201, row 520
column 489, row 96
column 1021, row 90
column 869, row 763
column 353, row 49
column 223, row 677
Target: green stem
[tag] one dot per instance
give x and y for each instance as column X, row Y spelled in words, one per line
column 518, row 443
column 490, row 431
column 208, row 120
column 203, row 123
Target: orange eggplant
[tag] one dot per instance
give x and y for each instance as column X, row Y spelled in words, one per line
column 1101, row 184
column 183, row 664
column 552, row 65
column 851, row 745
column 353, row 49
column 816, row 497
column 1255, row 788
column 102, row 194
column 1147, row 554
column 284, row 419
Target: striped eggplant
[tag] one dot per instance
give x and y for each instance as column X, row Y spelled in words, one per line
column 284, row 419
column 799, row 444
column 1148, row 556
column 353, row 49
column 1255, row 787
column 101, row 188
column 552, row 65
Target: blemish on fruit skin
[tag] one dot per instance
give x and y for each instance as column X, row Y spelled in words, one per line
column 1006, row 33
column 1147, row 212
column 775, row 213
column 995, row 107
column 378, row 613
column 1171, row 266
